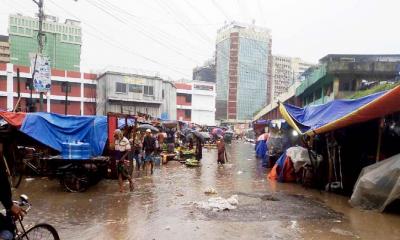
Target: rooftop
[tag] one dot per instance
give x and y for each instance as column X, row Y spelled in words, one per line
column 3, row 38
column 361, row 58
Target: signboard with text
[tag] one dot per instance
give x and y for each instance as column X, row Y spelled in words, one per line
column 41, row 73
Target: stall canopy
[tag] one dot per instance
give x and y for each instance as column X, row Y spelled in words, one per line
column 54, row 129
column 337, row 114
column 14, row 119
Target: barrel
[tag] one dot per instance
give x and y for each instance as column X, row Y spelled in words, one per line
column 75, row 150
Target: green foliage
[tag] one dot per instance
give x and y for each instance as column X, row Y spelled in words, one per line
column 377, row 88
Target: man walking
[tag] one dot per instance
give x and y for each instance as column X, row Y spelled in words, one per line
column 149, row 146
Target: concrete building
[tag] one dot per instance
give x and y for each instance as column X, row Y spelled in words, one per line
column 132, row 94
column 340, row 75
column 195, row 102
column 81, row 90
column 4, row 49
column 62, row 45
column 206, row 72
column 271, row 111
column 285, row 71
column 243, row 71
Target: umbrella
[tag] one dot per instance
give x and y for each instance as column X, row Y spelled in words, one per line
column 144, row 127
column 217, row 131
column 199, row 135
column 206, row 135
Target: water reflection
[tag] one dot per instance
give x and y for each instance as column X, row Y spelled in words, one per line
column 160, row 206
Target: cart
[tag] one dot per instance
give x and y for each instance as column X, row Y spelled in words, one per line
column 75, row 175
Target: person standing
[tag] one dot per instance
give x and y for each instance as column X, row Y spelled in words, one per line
column 149, row 146
column 137, row 147
column 199, row 149
column 122, row 149
column 221, row 150
column 13, row 210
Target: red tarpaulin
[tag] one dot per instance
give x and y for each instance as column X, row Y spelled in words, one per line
column 14, row 119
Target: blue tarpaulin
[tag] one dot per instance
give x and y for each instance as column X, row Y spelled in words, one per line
column 340, row 113
column 53, row 129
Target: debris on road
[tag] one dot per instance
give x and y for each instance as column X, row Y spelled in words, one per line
column 210, row 190
column 218, row 204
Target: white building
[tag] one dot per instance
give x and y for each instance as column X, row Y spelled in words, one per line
column 195, row 102
column 132, row 94
column 285, row 71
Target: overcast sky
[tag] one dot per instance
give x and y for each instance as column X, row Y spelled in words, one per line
column 173, row 36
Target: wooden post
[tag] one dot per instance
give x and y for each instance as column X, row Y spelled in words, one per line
column 380, row 130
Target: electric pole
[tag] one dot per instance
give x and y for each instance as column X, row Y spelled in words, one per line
column 40, row 36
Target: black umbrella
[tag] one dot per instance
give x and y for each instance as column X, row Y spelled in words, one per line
column 144, row 127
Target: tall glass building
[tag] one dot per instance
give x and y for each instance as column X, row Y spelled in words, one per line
column 62, row 42
column 243, row 71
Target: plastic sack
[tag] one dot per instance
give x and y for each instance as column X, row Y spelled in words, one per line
column 378, row 185
column 299, row 157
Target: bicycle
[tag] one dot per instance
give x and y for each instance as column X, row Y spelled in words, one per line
column 42, row 231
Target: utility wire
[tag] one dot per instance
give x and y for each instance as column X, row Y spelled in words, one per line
column 142, row 32
column 136, row 20
column 112, row 42
column 220, row 9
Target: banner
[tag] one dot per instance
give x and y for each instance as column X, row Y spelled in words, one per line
column 41, row 75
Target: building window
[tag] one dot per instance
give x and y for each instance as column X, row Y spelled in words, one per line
column 65, row 87
column 188, row 113
column 149, row 90
column 120, row 87
column 163, row 94
column 135, row 88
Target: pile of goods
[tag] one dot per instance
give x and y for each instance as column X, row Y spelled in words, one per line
column 192, row 162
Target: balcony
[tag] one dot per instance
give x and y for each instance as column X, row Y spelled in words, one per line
column 311, row 79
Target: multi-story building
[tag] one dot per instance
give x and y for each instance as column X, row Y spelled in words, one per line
column 285, row 71
column 300, row 66
column 62, row 42
column 132, row 94
column 206, row 72
column 195, row 102
column 81, row 89
column 341, row 75
column 243, row 71
column 4, row 49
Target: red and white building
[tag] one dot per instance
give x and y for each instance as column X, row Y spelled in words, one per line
column 195, row 102
column 81, row 95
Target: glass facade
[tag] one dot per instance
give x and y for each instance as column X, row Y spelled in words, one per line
column 252, row 77
column 62, row 44
column 222, row 78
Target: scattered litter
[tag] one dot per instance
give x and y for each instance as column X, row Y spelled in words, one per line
column 167, row 228
column 249, row 159
column 29, row 179
column 239, row 172
column 233, row 200
column 218, row 204
column 210, row 190
column 179, row 195
column 342, row 232
column 337, row 221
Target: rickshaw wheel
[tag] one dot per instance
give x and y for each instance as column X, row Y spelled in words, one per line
column 74, row 182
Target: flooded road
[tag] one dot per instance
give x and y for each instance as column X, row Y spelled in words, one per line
column 162, row 206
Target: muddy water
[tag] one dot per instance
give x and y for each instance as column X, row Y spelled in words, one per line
column 161, row 207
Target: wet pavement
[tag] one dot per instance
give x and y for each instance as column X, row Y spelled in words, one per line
column 163, row 206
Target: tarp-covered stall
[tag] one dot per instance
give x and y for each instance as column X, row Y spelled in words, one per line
column 316, row 119
column 53, row 129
